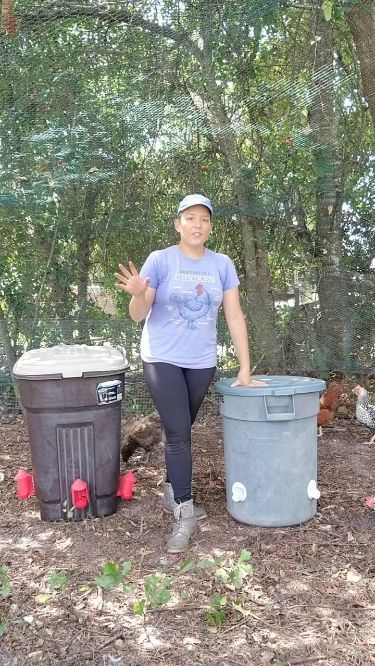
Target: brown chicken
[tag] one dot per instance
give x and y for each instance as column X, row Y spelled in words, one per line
column 328, row 403
column 145, row 432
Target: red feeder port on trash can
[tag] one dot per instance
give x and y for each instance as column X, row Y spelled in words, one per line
column 80, row 494
column 126, row 486
column 25, row 484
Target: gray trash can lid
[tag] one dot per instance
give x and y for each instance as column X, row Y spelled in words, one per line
column 276, row 385
column 63, row 361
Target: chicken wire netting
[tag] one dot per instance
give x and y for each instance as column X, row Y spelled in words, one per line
column 111, row 112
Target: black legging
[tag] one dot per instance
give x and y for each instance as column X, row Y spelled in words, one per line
column 178, row 393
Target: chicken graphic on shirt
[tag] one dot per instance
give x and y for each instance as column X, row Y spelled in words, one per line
column 192, row 308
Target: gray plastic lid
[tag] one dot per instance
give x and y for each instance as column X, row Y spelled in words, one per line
column 276, row 385
column 65, row 361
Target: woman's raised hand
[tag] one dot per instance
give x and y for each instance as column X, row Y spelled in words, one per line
column 130, row 280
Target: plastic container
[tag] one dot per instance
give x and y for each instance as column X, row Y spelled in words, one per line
column 270, row 449
column 72, row 396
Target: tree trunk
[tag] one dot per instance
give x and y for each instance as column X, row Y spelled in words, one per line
column 324, row 125
column 258, row 291
column 10, row 352
column 361, row 20
column 6, row 342
column 83, row 259
column 84, row 240
column 61, row 295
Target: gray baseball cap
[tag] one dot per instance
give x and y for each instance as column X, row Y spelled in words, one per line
column 194, row 200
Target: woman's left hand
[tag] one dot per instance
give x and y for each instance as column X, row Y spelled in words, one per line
column 244, row 379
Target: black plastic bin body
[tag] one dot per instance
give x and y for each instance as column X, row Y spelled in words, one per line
column 74, row 426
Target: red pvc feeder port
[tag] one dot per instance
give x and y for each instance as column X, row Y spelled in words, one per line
column 25, row 484
column 80, row 494
column 126, row 485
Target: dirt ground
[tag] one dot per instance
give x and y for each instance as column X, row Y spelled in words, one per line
column 310, row 600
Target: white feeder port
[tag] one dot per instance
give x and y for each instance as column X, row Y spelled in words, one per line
column 239, row 492
column 312, row 490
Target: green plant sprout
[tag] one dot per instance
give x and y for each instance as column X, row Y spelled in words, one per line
column 157, row 593
column 5, row 589
column 58, row 580
column 112, row 576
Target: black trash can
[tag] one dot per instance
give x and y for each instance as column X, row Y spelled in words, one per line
column 72, row 396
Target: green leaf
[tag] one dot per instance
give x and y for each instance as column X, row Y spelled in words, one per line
column 156, row 589
column 160, row 598
column 110, row 577
column 70, row 513
column 152, row 583
column 126, row 567
column 107, row 582
column 168, row 582
column 205, row 564
column 219, row 601
column 139, row 607
column 222, row 575
column 327, row 7
column 187, row 566
column 5, row 590
column 110, row 569
column 58, row 580
column 245, row 555
column 128, row 588
column 2, row 626
column 215, row 617
column 185, row 594
column 236, row 579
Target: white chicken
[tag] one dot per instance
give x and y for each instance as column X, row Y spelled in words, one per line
column 364, row 410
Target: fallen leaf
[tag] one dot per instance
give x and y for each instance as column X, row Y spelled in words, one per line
column 97, row 601
column 37, row 655
column 353, row 576
column 369, row 501
column 28, row 619
column 43, row 598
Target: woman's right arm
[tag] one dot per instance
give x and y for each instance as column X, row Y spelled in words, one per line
column 140, row 306
column 142, row 294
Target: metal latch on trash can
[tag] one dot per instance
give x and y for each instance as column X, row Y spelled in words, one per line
column 109, row 392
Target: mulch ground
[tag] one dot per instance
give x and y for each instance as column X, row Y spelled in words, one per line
column 310, row 600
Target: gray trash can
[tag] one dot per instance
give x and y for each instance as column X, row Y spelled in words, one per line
column 270, row 449
column 72, row 396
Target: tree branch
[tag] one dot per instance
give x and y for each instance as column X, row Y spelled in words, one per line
column 108, row 15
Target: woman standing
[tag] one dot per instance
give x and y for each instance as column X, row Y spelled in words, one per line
column 178, row 292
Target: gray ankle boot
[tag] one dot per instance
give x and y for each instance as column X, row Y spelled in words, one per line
column 169, row 504
column 185, row 527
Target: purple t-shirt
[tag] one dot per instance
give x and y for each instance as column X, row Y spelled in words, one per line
column 181, row 326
